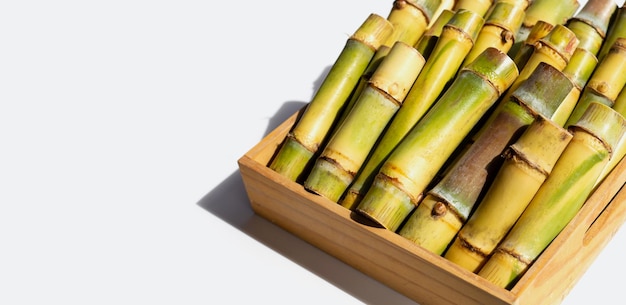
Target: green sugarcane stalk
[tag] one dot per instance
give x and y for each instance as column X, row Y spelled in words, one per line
column 480, row 7
column 579, row 69
column 448, row 204
column 426, row 44
column 620, row 150
column 302, row 143
column 410, row 19
column 555, row 49
column 550, row 11
column 380, row 54
column 348, row 147
column 560, row 197
column 527, row 164
column 591, row 23
column 606, row 82
column 503, row 21
column 452, row 46
column 617, row 28
column 400, row 183
column 521, row 50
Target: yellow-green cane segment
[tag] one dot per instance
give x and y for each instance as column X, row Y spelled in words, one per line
column 348, row 147
column 298, row 151
column 551, row 11
column 527, row 164
column 606, row 82
column 480, row 7
column 499, row 29
column 591, row 23
column 579, row 69
column 449, row 203
column 427, row 42
column 452, row 46
column 378, row 57
column 560, row 197
column 617, row 29
column 408, row 170
column 410, row 19
column 620, row 150
column 521, row 50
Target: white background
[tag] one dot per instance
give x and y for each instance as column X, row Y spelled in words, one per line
column 120, row 128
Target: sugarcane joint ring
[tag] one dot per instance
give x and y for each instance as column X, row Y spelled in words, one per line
column 439, row 209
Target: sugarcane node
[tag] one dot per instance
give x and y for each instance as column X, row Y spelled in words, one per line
column 515, row 255
column 512, row 153
column 400, row 4
column 415, row 200
column 389, row 93
column 471, row 248
column 292, row 137
column 439, row 210
column 465, row 35
column 337, row 164
column 605, row 144
column 507, row 36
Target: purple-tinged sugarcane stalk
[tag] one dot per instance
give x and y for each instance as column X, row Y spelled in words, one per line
column 403, row 177
column 617, row 29
column 348, row 147
column 503, row 21
column 410, row 19
column 527, row 164
column 456, row 40
column 297, row 153
column 606, row 82
column 447, row 205
column 560, row 197
column 591, row 23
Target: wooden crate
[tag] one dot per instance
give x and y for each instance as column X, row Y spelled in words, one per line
column 427, row 278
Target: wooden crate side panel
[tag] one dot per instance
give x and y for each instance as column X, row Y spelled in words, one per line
column 379, row 253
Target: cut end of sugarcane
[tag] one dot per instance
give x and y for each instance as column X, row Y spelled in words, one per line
column 496, row 67
column 562, row 40
column 328, row 179
column 292, row 159
column 373, row 31
column 503, row 269
column 594, row 121
column 385, row 203
column 432, row 225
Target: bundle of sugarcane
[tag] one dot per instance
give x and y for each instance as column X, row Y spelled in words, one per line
column 452, row 46
column 303, row 141
column 350, row 144
column 400, row 183
column 448, row 204
column 560, row 197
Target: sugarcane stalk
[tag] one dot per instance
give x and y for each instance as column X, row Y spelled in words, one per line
column 617, row 28
column 428, row 41
column 591, row 23
column 455, row 42
column 620, row 150
column 480, row 7
column 550, row 11
column 348, row 147
column 560, row 197
column 410, row 19
column 606, row 82
column 579, row 69
column 503, row 21
column 400, row 183
column 382, row 51
column 302, row 143
column 555, row 49
column 527, row 164
column 521, row 50
column 448, row 204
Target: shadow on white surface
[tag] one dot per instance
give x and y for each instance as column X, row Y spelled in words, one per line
column 229, row 202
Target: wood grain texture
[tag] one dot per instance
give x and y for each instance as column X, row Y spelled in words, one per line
column 427, row 278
